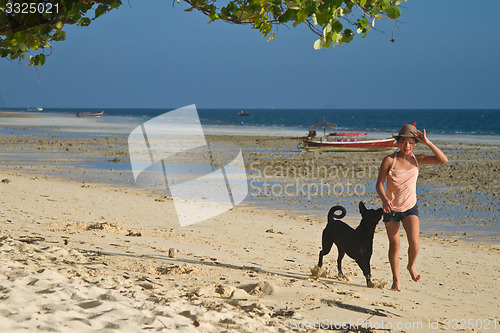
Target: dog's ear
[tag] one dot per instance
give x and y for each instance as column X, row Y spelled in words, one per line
column 362, row 208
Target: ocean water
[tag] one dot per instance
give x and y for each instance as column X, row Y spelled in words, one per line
column 447, row 122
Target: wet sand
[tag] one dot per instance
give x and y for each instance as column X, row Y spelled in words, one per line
column 458, row 199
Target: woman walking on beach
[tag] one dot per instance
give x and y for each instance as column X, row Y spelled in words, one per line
column 399, row 200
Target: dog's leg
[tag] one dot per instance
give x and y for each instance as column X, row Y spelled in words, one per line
column 320, row 261
column 322, row 253
column 364, row 264
column 339, row 263
column 327, row 244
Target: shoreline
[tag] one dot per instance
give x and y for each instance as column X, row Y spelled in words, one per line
column 123, row 125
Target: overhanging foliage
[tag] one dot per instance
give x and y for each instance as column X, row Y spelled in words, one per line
column 27, row 26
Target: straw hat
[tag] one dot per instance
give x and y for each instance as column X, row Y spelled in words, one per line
column 407, row 131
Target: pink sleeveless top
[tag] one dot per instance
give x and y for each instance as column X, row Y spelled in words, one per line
column 402, row 186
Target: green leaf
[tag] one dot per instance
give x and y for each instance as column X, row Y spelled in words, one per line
column 348, row 8
column 347, row 36
column 59, row 35
column 101, row 9
column 362, row 23
column 34, row 44
column 20, row 37
column 323, row 17
column 24, row 48
column 243, row 15
column 366, row 32
column 115, row 4
column 327, row 29
column 84, row 22
column 334, row 38
column 320, row 43
column 337, row 26
column 293, row 5
column 74, row 14
column 46, row 29
column 339, row 12
column 393, row 12
column 301, row 16
column 314, row 19
column 37, row 60
column 328, row 41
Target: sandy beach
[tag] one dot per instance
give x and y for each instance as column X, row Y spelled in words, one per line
column 83, row 250
column 96, row 258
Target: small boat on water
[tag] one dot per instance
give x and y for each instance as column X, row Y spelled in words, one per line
column 339, row 142
column 243, row 113
column 78, row 114
column 321, row 145
column 38, row 109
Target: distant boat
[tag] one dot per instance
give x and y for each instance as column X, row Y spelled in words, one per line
column 78, row 114
column 243, row 113
column 340, row 142
column 38, row 109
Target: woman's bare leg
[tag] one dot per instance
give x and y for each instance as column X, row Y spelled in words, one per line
column 392, row 229
column 411, row 225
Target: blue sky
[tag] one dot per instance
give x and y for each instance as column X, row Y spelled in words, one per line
column 155, row 55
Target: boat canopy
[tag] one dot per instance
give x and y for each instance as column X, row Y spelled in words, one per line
column 347, row 134
column 324, row 123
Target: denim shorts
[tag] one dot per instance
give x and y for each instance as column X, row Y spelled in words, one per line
column 398, row 216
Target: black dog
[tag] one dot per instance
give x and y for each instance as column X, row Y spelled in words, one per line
column 357, row 243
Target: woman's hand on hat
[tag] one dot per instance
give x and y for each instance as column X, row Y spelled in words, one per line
column 422, row 137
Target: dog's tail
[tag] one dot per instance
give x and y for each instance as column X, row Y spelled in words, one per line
column 333, row 210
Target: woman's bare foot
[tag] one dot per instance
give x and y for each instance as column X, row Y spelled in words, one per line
column 395, row 285
column 413, row 273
